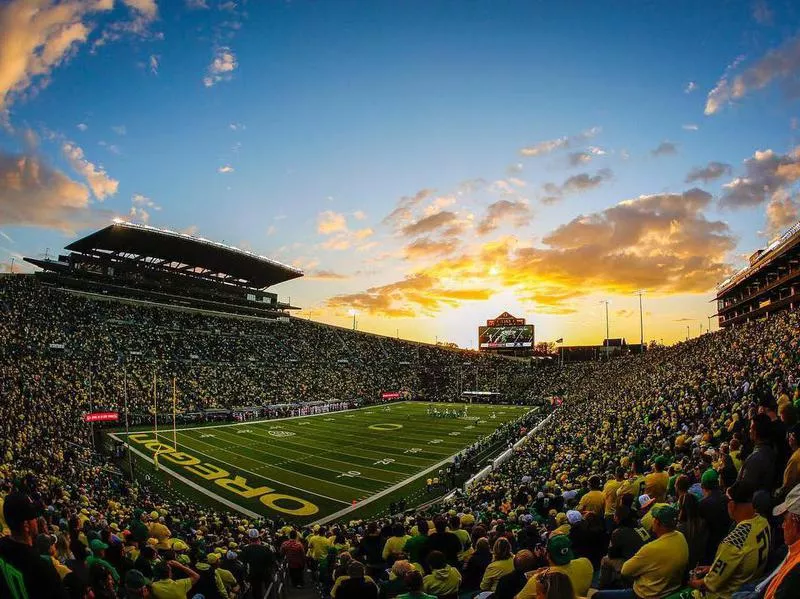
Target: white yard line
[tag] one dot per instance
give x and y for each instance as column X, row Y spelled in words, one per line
column 385, row 492
column 266, row 420
column 193, row 485
column 192, row 450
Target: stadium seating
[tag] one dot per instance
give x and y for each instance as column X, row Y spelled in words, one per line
column 677, row 426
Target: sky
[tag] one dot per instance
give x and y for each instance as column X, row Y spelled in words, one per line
column 427, row 164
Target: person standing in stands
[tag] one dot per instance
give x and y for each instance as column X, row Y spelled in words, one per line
column 295, row 555
column 713, row 509
column 594, row 500
column 444, row 541
column 743, row 554
column 259, row 559
column 655, row 483
column 165, row 587
column 23, row 573
column 758, row 469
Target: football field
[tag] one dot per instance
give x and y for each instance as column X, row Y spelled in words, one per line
column 312, row 468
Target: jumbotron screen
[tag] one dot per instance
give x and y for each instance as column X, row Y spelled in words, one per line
column 505, row 337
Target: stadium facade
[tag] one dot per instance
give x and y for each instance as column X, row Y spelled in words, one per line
column 147, row 263
column 770, row 283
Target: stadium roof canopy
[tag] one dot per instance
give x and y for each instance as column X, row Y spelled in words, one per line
column 185, row 253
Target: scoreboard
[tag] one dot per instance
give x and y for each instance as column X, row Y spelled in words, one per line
column 506, row 332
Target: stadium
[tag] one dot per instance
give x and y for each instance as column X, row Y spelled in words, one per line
column 161, row 406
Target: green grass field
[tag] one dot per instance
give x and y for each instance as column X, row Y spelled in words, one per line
column 312, row 468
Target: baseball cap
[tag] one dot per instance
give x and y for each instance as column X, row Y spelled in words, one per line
column 666, row 514
column 97, row 545
column 18, row 508
column 709, row 478
column 135, row 580
column 231, row 555
column 574, row 516
column 661, row 461
column 559, row 548
column 212, row 558
column 790, row 504
column 253, row 533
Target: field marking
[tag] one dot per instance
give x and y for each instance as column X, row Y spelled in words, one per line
column 327, row 451
column 523, row 410
column 253, row 446
column 192, row 484
column 247, row 422
column 240, row 469
column 385, row 492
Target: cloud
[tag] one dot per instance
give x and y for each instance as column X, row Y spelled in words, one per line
column 690, row 127
column 141, row 206
column 690, row 87
column 100, row 183
column 518, row 213
column 340, row 236
column 37, row 36
column 765, row 174
column 325, row 275
column 579, row 158
column 32, row 193
column 429, row 224
column 154, row 62
column 236, row 127
column 196, row 4
column 545, row 147
column 426, row 248
column 584, row 156
column 781, row 64
column 331, row 222
column 783, row 211
column 407, row 298
column 227, row 168
column 119, row 129
column 403, row 211
column 664, row 148
column 713, row 170
column 147, row 8
column 575, row 184
column 661, row 242
column 82, row 126
column 762, row 13
column 359, row 215
column 221, row 68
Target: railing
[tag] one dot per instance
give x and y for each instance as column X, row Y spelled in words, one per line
column 277, row 588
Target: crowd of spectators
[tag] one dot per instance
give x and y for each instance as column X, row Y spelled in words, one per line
column 672, row 474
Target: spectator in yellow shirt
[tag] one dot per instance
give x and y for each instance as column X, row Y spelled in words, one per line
column 658, row 567
column 501, row 564
column 656, row 483
column 594, row 500
column 394, row 544
column 561, row 559
column 743, row 554
column 610, row 496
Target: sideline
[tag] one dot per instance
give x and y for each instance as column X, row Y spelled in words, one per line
column 395, row 487
column 251, row 422
column 192, row 484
